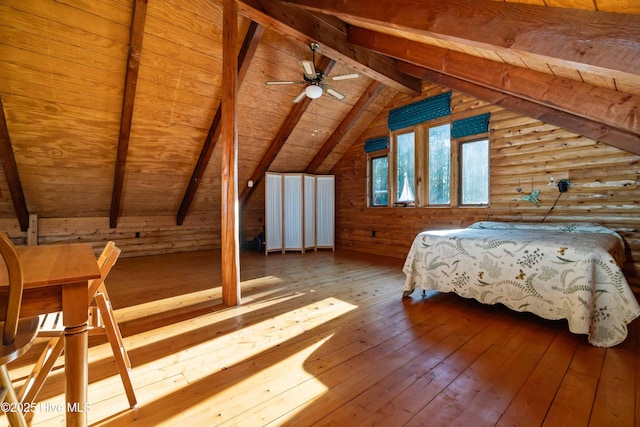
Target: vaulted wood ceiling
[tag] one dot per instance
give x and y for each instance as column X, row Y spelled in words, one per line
column 110, row 106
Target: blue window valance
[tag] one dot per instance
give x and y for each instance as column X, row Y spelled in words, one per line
column 470, row 126
column 376, row 144
column 421, row 111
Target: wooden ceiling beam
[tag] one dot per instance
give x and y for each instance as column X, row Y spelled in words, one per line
column 281, row 137
column 11, row 173
column 248, row 49
column 591, row 129
column 370, row 94
column 131, row 80
column 306, row 27
column 600, row 42
column 596, row 104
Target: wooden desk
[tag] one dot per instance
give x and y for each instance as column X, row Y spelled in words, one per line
column 56, row 279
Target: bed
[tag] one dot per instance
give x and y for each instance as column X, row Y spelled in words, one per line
column 556, row 271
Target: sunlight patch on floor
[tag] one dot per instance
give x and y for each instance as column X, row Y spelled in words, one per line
column 261, row 326
column 183, row 301
column 251, row 342
column 232, row 407
column 271, row 332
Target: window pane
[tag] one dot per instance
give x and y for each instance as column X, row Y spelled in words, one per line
column 475, row 173
column 405, row 167
column 440, row 165
column 379, row 181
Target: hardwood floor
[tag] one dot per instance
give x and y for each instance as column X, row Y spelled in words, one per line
column 326, row 339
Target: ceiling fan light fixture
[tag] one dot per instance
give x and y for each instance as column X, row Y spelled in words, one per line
column 313, row 91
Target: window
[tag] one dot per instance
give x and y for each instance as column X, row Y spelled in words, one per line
column 430, row 167
column 474, row 171
column 439, row 143
column 430, row 159
column 377, row 150
column 379, row 181
column 405, row 167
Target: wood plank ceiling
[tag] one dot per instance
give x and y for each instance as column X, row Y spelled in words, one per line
column 111, row 115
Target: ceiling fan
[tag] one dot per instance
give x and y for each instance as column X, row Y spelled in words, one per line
column 314, row 80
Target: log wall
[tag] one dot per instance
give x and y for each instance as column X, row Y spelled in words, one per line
column 136, row 236
column 604, row 185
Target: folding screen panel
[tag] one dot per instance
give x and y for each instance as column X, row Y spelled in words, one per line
column 273, row 213
column 299, row 212
column 325, row 211
column 293, row 212
column 309, row 211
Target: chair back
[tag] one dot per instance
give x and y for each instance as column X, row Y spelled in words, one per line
column 14, row 298
column 106, row 261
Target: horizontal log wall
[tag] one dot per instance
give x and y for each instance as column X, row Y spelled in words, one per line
column 252, row 214
column 525, row 153
column 136, row 236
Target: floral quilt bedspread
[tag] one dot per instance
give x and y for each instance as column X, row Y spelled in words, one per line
column 556, row 271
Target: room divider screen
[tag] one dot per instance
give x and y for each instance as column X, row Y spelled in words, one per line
column 299, row 212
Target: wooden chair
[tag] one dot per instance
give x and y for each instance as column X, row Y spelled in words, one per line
column 17, row 334
column 101, row 321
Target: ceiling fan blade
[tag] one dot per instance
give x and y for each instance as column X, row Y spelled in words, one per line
column 346, row 76
column 309, row 69
column 335, row 94
column 281, row 83
column 299, row 97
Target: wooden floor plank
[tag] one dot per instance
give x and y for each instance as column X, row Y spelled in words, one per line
column 445, row 338
column 529, row 407
column 403, row 407
column 325, row 338
column 362, row 361
column 636, row 326
column 581, row 380
column 498, row 391
column 614, row 403
column 379, row 393
column 614, row 400
column 466, row 388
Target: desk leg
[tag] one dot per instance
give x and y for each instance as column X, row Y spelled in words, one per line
column 76, row 340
